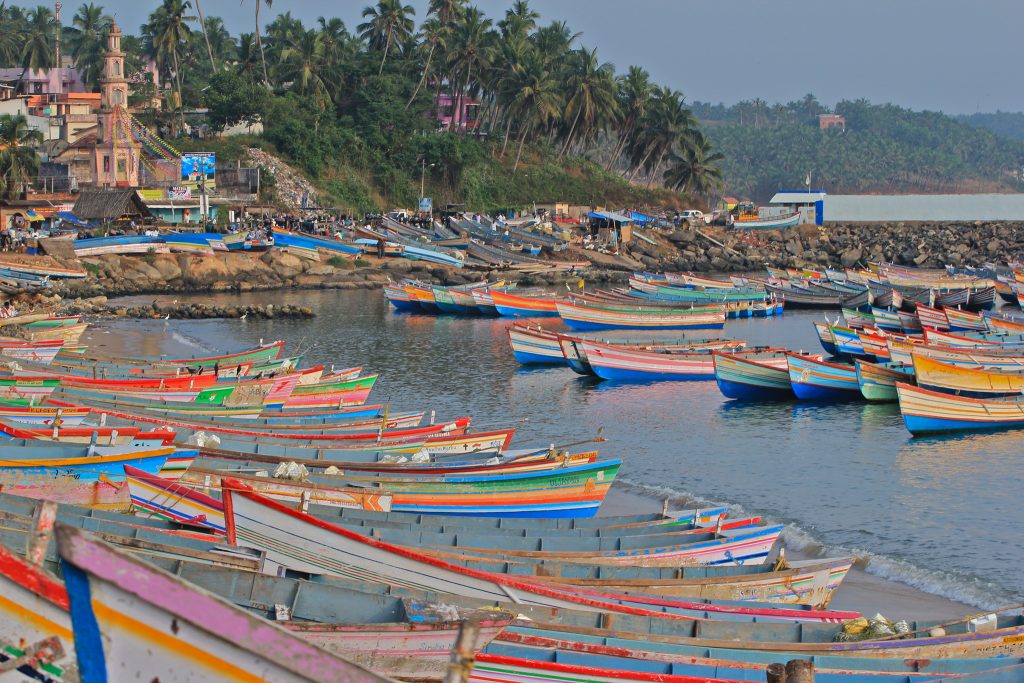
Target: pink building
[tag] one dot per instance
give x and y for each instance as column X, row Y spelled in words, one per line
column 63, row 80
column 466, row 118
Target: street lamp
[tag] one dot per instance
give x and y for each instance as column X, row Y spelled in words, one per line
column 423, row 175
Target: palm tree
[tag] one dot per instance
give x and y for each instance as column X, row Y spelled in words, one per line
column 634, row 96
column 520, row 20
column 388, row 23
column 435, row 35
column 591, row 89
column 18, row 161
column 85, row 40
column 533, row 97
column 206, row 38
column 668, row 122
column 37, row 52
column 221, row 43
column 167, row 32
column 259, row 40
column 12, row 30
column 304, row 65
column 470, row 55
column 696, row 170
column 554, row 40
column 248, row 57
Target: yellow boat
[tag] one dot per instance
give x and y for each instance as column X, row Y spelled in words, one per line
column 975, row 382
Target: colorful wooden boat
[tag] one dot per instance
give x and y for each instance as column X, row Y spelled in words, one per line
column 575, row 491
column 933, row 412
column 965, row 381
column 134, row 621
column 579, row 317
column 305, row 543
column 752, row 379
column 518, row 306
column 399, row 298
column 639, row 365
column 766, row 222
column 299, row 240
column 819, row 380
column 877, row 381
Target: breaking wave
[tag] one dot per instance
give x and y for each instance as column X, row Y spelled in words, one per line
column 970, row 590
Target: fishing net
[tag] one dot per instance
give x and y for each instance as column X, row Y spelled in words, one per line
column 871, row 629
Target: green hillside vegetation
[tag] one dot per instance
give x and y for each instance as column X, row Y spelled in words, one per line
column 1005, row 123
column 356, row 107
column 884, row 148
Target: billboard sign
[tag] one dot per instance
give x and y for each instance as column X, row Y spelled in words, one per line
column 198, row 168
column 426, row 204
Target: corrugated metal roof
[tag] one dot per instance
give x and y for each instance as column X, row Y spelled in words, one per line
column 923, row 207
column 797, row 197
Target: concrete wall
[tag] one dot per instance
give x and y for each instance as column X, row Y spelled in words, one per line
column 920, row 207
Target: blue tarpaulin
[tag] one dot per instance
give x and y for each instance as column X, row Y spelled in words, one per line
column 642, row 218
column 72, row 218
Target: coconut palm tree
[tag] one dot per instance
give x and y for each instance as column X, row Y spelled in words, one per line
column 388, row 24
column 435, row 35
column 37, row 51
column 470, row 52
column 667, row 123
column 85, row 40
column 304, row 65
column 520, row 20
column 18, row 160
column 248, row 58
column 221, row 43
column 695, row 171
column 259, row 40
column 167, row 32
column 206, row 37
column 534, row 97
column 591, row 96
column 634, row 96
column 554, row 41
column 12, row 31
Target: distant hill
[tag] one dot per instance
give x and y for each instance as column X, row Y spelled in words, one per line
column 884, row 148
column 1005, row 123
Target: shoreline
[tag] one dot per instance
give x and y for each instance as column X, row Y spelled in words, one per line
column 860, row 591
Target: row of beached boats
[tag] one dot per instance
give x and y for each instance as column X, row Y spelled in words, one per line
column 210, row 528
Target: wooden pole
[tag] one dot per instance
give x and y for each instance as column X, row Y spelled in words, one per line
column 43, row 517
column 462, row 656
column 776, row 673
column 799, row 671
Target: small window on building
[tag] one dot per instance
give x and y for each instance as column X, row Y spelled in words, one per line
column 118, row 97
column 106, row 164
column 122, row 167
column 117, row 68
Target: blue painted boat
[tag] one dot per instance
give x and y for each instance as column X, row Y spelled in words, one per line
column 119, row 244
column 302, row 241
column 819, row 380
column 828, row 343
column 749, row 379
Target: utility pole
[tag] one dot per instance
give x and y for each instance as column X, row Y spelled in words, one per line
column 56, row 50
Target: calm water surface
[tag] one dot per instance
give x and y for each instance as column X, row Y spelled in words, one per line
column 942, row 514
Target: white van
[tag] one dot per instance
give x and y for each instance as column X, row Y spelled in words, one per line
column 694, row 216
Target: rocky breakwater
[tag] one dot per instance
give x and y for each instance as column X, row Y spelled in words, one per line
column 220, row 272
column 167, row 310
column 708, row 249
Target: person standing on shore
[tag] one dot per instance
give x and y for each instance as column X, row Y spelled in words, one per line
column 380, row 247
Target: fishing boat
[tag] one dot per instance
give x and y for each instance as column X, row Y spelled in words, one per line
column 877, row 381
column 751, row 378
column 305, row 543
column 302, row 241
column 575, row 491
column 579, row 317
column 518, row 306
column 820, row 380
column 134, row 621
column 934, row 412
column 121, row 244
column 966, row 381
column 755, row 222
column 638, row 365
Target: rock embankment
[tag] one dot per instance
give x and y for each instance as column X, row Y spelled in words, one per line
column 913, row 244
column 695, row 250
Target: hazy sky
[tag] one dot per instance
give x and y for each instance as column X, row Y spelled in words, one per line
column 959, row 56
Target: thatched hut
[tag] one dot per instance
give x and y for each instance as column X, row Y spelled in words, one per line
column 105, row 206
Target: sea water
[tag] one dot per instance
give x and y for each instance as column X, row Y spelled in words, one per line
column 941, row 514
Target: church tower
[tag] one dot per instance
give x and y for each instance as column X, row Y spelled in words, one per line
column 117, row 154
